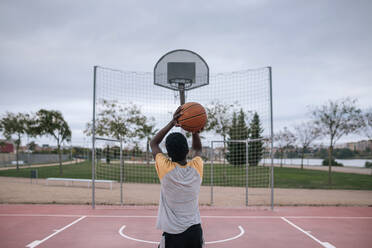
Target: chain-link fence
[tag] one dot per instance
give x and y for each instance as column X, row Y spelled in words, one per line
column 237, row 140
column 27, row 159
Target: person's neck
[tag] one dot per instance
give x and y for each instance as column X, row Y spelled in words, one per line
column 182, row 162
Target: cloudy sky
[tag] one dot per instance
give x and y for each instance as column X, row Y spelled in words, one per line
column 318, row 50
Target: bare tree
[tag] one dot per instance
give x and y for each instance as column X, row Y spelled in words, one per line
column 336, row 119
column 283, row 140
column 366, row 130
column 306, row 133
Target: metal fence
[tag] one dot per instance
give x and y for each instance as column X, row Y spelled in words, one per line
column 24, row 159
column 247, row 100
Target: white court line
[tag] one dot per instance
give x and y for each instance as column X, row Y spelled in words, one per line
column 229, row 239
column 324, row 244
column 134, row 239
column 294, row 217
column 154, row 242
column 206, row 216
column 39, row 215
column 69, row 215
column 329, row 217
column 38, row 242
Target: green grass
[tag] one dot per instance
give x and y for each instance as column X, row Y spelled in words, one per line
column 313, row 179
column 224, row 175
column 80, row 170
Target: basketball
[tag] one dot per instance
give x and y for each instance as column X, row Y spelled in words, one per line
column 193, row 117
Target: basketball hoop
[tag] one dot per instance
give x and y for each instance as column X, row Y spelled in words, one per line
column 181, row 83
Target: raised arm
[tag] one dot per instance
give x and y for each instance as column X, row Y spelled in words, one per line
column 196, row 145
column 154, row 143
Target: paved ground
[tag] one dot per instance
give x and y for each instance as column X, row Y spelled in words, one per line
column 21, row 190
column 134, row 227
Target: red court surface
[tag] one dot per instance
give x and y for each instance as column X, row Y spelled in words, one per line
column 133, row 227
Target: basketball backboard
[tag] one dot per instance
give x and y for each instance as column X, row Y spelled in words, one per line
column 181, row 70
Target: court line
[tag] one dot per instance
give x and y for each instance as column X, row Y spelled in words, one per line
column 294, row 217
column 206, row 216
column 134, row 239
column 229, row 239
column 329, row 217
column 155, row 242
column 324, row 244
column 38, row 242
column 39, row 215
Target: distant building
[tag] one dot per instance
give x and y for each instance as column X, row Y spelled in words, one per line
column 364, row 145
column 47, row 147
column 359, row 146
column 6, row 147
column 351, row 146
column 341, row 146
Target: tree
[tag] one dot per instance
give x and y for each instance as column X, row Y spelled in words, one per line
column 284, row 139
column 146, row 131
column 116, row 120
column 237, row 154
column 219, row 119
column 255, row 148
column 344, row 153
column 31, row 146
column 366, row 130
column 106, row 151
column 306, row 133
column 120, row 121
column 51, row 123
column 336, row 119
column 15, row 125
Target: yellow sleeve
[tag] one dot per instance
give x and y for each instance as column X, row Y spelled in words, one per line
column 198, row 164
column 163, row 165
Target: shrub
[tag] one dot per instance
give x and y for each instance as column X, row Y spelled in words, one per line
column 368, row 164
column 333, row 162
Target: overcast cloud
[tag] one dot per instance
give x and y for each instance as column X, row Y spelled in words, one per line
column 319, row 50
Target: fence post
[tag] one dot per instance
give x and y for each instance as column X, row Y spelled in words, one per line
column 272, row 139
column 246, row 173
column 94, row 139
column 212, row 159
column 121, row 172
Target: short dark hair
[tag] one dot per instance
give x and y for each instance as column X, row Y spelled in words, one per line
column 177, row 146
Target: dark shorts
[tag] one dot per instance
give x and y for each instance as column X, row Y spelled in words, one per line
column 191, row 238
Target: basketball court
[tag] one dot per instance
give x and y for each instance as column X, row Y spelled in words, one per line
column 132, row 227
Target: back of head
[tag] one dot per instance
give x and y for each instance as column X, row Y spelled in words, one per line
column 177, row 146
